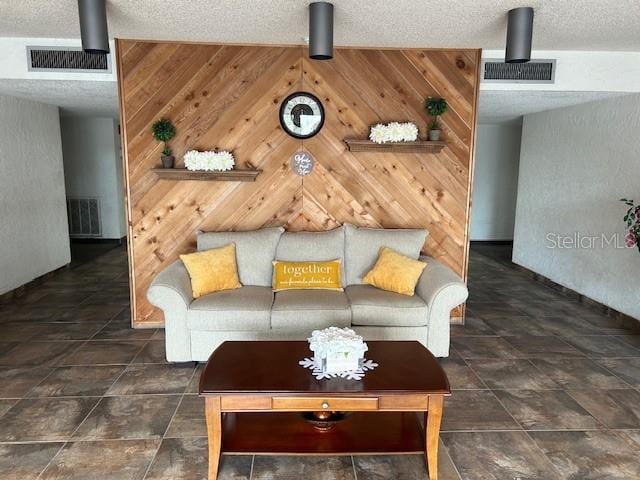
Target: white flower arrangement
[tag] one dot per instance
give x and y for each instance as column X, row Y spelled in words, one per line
column 337, row 349
column 394, row 132
column 209, row 161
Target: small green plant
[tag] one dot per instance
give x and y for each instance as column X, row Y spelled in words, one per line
column 163, row 131
column 436, row 107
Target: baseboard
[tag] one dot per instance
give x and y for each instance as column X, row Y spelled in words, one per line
column 624, row 319
column 23, row 289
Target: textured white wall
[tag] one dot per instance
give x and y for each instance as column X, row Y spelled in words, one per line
column 92, row 167
column 575, row 165
column 495, row 181
column 33, row 216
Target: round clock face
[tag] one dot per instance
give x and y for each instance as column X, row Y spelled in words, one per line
column 301, row 115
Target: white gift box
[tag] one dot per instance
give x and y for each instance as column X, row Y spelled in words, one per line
column 342, row 362
column 337, row 349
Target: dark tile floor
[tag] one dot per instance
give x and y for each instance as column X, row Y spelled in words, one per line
column 544, row 388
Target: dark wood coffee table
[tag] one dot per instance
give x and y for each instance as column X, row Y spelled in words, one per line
column 254, row 393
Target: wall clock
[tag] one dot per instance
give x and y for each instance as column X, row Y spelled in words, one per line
column 301, row 115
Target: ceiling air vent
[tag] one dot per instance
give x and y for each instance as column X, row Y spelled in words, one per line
column 535, row 71
column 55, row 59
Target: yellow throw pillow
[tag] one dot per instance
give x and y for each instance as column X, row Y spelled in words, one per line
column 212, row 270
column 306, row 276
column 395, row 272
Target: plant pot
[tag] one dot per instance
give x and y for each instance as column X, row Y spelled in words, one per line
column 167, row 161
column 434, row 135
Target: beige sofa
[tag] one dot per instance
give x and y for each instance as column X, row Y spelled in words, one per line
column 194, row 328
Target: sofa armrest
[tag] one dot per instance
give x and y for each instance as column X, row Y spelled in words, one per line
column 171, row 286
column 171, row 292
column 442, row 290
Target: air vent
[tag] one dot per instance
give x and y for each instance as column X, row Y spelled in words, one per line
column 46, row 59
column 536, row 71
column 84, row 217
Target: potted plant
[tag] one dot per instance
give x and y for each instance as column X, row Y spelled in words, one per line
column 632, row 221
column 163, row 131
column 435, row 107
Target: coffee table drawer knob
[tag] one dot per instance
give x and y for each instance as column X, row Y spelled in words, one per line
column 325, row 405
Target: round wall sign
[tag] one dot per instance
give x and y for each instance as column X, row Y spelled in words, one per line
column 301, row 115
column 302, row 163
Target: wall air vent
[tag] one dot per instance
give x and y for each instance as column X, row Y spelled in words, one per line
column 67, row 59
column 84, row 217
column 535, row 71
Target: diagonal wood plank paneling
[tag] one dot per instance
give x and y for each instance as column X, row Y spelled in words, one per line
column 361, row 87
column 228, row 97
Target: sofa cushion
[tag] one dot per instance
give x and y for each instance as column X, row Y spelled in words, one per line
column 313, row 246
column 244, row 309
column 255, row 251
column 310, row 310
column 374, row 307
column 362, row 246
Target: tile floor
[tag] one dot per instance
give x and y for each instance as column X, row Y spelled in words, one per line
column 544, row 388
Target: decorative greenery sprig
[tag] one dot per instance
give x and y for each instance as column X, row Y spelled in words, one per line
column 436, row 107
column 163, row 131
column 632, row 221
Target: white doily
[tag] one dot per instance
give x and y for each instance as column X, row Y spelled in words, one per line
column 358, row 374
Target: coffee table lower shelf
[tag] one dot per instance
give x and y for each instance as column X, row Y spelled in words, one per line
column 287, row 433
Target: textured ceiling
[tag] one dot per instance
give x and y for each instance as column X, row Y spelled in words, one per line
column 72, row 96
column 558, row 25
column 506, row 105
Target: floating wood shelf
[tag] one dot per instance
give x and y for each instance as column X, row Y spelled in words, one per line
column 228, row 176
column 420, row 146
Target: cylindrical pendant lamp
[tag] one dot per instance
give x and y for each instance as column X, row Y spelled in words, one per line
column 93, row 26
column 321, row 30
column 519, row 33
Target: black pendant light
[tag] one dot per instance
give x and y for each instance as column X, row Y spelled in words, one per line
column 519, row 33
column 321, row 30
column 93, row 26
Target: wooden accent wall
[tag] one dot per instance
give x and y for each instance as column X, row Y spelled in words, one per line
column 228, row 97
